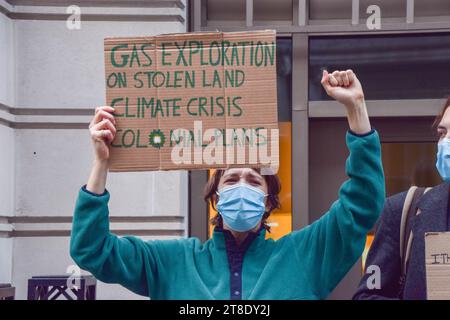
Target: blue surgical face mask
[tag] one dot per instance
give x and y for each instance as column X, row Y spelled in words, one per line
column 443, row 159
column 241, row 206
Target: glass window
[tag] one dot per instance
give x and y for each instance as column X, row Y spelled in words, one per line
column 235, row 10
column 330, row 9
column 409, row 163
column 284, row 78
column 388, row 8
column 266, row 10
column 341, row 9
column 225, row 10
column 391, row 67
column 431, row 8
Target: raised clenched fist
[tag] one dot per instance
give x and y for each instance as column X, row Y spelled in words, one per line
column 344, row 87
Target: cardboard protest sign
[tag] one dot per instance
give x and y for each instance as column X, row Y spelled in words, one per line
column 437, row 264
column 193, row 100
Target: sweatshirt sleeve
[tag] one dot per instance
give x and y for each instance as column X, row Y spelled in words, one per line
column 329, row 247
column 128, row 261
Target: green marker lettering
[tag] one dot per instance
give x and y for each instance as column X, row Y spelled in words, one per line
column 165, row 54
column 123, row 56
column 149, row 59
column 181, row 54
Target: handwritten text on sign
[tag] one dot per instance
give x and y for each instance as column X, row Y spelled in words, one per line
column 187, row 101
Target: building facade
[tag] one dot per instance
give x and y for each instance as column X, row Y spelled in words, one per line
column 51, row 79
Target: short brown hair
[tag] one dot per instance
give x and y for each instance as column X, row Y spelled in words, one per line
column 273, row 189
column 439, row 117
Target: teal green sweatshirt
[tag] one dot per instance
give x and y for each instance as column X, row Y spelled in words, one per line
column 305, row 264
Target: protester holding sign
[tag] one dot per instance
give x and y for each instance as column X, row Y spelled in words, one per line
column 398, row 250
column 239, row 262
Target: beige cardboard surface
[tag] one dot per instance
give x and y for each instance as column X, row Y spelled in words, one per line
column 193, row 100
column 437, row 263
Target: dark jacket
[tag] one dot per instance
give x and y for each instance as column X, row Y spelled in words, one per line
column 385, row 252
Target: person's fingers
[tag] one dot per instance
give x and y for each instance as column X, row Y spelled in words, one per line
column 333, row 81
column 98, row 126
column 98, row 134
column 105, row 135
column 104, row 124
column 94, row 127
column 345, row 78
column 324, row 76
column 104, row 115
column 337, row 76
column 97, row 119
column 104, row 108
column 100, row 114
column 325, row 81
column 351, row 75
column 110, row 126
column 109, row 136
